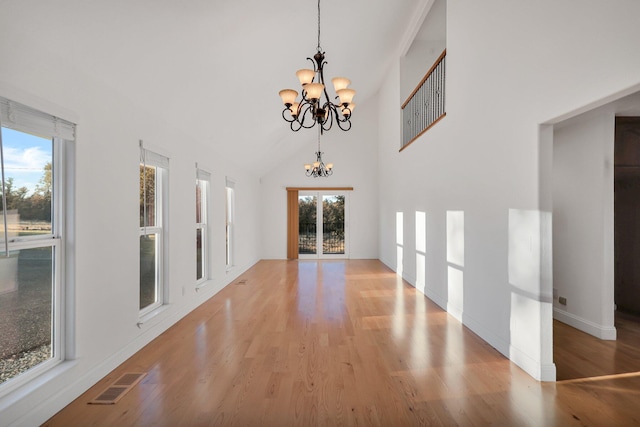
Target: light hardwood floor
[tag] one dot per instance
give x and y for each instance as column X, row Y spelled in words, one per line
column 348, row 343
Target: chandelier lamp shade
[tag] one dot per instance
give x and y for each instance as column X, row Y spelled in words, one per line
column 315, row 106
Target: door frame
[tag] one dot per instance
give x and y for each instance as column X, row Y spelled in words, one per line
column 292, row 219
column 319, row 224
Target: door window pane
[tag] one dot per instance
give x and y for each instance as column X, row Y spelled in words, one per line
column 26, row 296
column 307, row 229
column 333, row 224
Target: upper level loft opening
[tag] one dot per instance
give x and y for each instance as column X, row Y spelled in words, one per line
column 422, row 74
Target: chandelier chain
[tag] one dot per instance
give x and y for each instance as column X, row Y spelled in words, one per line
column 319, row 48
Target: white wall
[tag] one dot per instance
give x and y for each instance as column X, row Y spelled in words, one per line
column 427, row 46
column 583, row 223
column 421, row 56
column 510, row 67
column 105, row 306
column 355, row 160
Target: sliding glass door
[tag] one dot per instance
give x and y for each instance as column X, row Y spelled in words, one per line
column 322, row 225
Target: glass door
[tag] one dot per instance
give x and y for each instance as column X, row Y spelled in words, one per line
column 322, row 227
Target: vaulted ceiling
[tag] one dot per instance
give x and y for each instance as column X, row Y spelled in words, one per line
column 214, row 68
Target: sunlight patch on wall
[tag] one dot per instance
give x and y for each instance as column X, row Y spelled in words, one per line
column 531, row 293
column 455, row 259
column 421, row 249
column 399, row 242
column 455, row 238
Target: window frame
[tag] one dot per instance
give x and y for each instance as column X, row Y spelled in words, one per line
column 230, row 208
column 24, row 119
column 203, row 182
column 161, row 197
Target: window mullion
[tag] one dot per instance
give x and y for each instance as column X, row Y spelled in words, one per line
column 4, row 196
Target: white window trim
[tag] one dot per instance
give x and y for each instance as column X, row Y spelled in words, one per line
column 230, row 212
column 204, row 176
column 161, row 163
column 19, row 117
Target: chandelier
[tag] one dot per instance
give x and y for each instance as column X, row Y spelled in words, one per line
column 312, row 107
column 318, row 169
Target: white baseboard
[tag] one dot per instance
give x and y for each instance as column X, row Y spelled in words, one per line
column 584, row 325
column 539, row 371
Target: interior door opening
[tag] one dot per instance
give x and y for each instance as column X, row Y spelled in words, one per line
column 627, row 215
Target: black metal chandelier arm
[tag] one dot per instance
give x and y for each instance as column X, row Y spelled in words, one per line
column 346, row 115
column 306, row 110
column 292, row 119
column 295, row 126
column 305, row 98
column 327, row 123
column 315, row 67
column 344, row 127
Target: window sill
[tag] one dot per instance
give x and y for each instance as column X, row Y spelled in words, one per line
column 203, row 284
column 30, row 383
column 148, row 316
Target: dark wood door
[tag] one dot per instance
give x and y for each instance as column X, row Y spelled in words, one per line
column 627, row 214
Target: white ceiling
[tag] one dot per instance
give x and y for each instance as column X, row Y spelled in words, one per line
column 214, row 67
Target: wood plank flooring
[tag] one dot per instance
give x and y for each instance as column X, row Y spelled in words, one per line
column 348, row 343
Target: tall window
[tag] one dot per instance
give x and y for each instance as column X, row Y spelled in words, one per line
column 154, row 170
column 230, row 213
column 33, row 146
column 202, row 235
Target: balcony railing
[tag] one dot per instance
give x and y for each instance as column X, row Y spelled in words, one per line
column 425, row 106
column 332, row 238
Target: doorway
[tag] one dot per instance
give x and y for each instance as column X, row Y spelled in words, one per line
column 627, row 214
column 322, row 224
